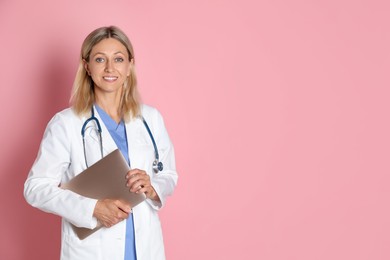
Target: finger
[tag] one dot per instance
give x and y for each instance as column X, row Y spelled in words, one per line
column 137, row 180
column 115, row 219
column 123, row 206
column 135, row 186
column 118, row 211
column 120, row 217
column 107, row 222
column 149, row 192
column 132, row 172
column 133, row 179
column 141, row 189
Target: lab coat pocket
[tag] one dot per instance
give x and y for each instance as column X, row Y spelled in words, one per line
column 76, row 249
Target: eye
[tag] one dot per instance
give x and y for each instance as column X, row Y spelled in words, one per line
column 99, row 60
column 119, row 59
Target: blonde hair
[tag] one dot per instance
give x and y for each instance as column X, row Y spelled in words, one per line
column 83, row 97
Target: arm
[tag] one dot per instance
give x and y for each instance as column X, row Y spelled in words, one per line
column 41, row 188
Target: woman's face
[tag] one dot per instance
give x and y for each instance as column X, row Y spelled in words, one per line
column 109, row 66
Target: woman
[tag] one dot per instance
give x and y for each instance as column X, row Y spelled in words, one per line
column 105, row 86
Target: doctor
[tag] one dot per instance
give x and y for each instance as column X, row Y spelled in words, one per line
column 105, row 97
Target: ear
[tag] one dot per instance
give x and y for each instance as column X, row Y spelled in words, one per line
column 85, row 63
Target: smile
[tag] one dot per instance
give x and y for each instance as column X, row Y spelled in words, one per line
column 110, row 78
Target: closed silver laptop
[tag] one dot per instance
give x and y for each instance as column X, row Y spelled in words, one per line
column 106, row 179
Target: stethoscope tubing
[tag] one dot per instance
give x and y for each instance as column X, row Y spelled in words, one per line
column 157, row 165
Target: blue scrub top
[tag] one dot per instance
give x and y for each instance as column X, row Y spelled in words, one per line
column 118, row 133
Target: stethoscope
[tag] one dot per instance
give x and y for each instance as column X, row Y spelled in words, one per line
column 157, row 165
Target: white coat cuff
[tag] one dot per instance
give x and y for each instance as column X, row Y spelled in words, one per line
column 90, row 221
column 156, row 204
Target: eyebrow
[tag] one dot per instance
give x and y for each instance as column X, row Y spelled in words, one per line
column 102, row 53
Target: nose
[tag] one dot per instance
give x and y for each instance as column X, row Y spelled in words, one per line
column 109, row 66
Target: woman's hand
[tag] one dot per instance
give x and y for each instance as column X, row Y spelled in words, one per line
column 138, row 181
column 110, row 212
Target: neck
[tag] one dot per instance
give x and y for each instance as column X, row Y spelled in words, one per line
column 111, row 107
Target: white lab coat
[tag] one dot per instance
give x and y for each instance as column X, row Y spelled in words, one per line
column 61, row 157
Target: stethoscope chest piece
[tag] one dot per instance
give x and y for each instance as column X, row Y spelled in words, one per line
column 157, row 166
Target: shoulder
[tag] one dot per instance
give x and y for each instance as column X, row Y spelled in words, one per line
column 66, row 113
column 64, row 117
column 150, row 112
column 146, row 109
column 153, row 117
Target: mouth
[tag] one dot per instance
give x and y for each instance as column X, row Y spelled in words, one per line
column 110, row 78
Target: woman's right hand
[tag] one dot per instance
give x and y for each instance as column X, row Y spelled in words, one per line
column 110, row 212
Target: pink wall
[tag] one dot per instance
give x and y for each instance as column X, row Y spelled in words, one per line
column 278, row 110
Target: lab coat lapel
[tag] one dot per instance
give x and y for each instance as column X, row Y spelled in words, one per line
column 92, row 140
column 133, row 137
column 109, row 144
column 141, row 151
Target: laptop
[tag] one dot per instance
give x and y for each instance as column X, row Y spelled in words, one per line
column 106, row 179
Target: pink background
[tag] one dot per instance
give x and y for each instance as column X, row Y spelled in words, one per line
column 278, row 110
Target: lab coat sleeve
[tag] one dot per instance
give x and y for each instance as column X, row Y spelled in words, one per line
column 42, row 189
column 165, row 181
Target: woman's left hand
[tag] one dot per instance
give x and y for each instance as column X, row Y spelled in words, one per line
column 138, row 181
